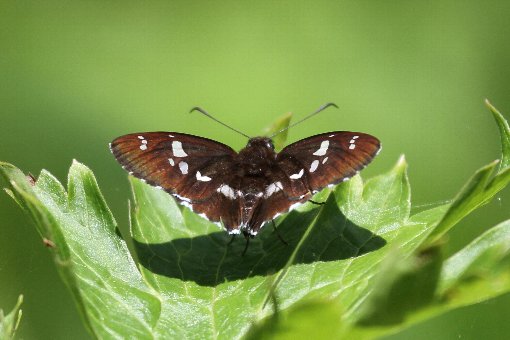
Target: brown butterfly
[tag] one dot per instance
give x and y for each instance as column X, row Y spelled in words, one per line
column 243, row 190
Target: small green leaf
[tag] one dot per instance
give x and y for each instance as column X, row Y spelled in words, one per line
column 479, row 271
column 279, row 125
column 504, row 133
column 9, row 323
column 481, row 188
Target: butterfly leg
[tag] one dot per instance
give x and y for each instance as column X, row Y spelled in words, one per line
column 278, row 234
column 231, row 240
column 246, row 246
column 316, row 203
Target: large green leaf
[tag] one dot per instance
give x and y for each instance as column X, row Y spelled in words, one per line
column 357, row 251
column 9, row 323
column 92, row 259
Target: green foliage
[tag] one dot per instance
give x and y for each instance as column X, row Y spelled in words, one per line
column 359, row 265
column 280, row 124
column 9, row 323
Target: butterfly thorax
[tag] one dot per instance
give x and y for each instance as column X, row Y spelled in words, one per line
column 257, row 158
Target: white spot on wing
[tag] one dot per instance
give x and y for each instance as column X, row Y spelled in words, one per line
column 352, row 142
column 235, row 231
column 143, row 146
column 275, row 216
column 218, row 224
column 331, row 135
column 171, row 136
column 324, row 160
column 380, row 148
column 322, row 149
column 183, row 166
column 177, row 149
column 227, row 191
column 273, row 187
column 182, row 198
column 171, row 161
column 187, row 205
column 295, row 205
column 298, row 175
column 203, row 178
column 314, row 165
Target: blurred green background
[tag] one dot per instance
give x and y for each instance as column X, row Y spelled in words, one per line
column 74, row 75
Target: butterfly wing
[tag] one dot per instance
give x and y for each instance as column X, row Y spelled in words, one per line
column 191, row 168
column 305, row 167
column 326, row 159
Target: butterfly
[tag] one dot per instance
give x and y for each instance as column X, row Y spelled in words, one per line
column 241, row 191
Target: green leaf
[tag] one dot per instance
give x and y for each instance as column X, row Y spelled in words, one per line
column 403, row 285
column 279, row 125
column 504, row 133
column 481, row 188
column 92, row 259
column 186, row 259
column 409, row 290
column 361, row 250
column 300, row 322
column 479, row 271
column 9, row 323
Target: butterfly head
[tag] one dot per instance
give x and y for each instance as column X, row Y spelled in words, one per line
column 261, row 142
column 258, row 154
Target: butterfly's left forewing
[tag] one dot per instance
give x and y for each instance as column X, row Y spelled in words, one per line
column 191, row 168
column 329, row 158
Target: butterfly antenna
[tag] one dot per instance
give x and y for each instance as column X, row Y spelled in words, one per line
column 322, row 108
column 205, row 113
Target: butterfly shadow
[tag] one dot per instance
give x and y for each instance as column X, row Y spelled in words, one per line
column 210, row 260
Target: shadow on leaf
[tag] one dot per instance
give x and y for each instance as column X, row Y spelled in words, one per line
column 209, row 260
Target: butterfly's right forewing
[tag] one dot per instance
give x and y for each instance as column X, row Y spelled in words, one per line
column 196, row 170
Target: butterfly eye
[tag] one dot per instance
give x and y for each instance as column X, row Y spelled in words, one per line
column 270, row 144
